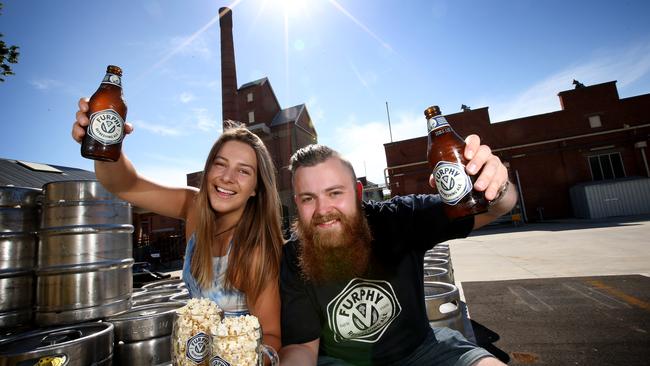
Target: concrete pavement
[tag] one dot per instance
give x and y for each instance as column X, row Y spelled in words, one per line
column 563, row 248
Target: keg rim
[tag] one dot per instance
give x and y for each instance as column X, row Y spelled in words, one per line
column 19, row 340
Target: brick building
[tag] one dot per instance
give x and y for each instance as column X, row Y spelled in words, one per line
column 595, row 136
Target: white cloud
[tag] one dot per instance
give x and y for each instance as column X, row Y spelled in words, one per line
column 204, row 122
column 158, row 129
column 626, row 66
column 186, row 97
column 45, row 84
column 363, row 142
column 199, row 46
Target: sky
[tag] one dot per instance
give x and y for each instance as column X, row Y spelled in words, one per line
column 345, row 59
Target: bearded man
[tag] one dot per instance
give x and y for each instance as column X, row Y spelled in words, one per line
column 352, row 281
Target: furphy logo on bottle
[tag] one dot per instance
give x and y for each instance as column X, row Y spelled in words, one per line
column 106, row 126
column 218, row 361
column 363, row 310
column 197, row 347
column 451, row 181
column 112, row 79
column 436, row 122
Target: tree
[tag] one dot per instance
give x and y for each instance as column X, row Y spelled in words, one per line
column 8, row 55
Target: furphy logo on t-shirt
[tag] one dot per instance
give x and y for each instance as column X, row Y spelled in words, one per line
column 363, row 310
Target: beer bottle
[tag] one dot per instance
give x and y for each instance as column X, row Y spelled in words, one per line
column 106, row 112
column 445, row 156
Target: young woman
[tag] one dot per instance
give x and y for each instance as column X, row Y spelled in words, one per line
column 232, row 222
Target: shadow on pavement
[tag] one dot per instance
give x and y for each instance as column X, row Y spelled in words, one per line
column 486, row 339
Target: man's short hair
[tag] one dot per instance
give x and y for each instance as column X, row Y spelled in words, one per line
column 312, row 155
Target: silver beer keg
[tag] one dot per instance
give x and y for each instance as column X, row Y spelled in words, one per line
column 143, row 334
column 84, row 263
column 73, row 345
column 19, row 217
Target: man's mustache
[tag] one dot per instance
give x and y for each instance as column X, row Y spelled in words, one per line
column 320, row 219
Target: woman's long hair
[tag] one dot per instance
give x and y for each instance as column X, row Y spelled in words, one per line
column 254, row 258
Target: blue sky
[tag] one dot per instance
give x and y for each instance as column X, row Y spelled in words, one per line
column 344, row 58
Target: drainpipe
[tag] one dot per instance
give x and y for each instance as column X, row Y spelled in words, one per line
column 641, row 145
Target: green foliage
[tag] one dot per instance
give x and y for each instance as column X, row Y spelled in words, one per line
column 8, row 55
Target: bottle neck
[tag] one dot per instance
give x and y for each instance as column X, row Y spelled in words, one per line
column 436, row 122
column 112, row 79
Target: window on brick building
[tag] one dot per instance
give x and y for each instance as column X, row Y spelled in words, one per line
column 251, row 117
column 606, row 166
column 249, row 97
column 594, row 121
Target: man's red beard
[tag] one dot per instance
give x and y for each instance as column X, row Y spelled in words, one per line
column 334, row 255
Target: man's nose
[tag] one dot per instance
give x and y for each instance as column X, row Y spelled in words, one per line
column 323, row 206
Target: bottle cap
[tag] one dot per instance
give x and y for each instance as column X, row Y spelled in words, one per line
column 432, row 111
column 114, row 70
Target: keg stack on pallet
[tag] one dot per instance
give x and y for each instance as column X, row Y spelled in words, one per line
column 442, row 298
column 66, row 281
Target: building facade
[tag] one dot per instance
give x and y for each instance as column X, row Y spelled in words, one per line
column 595, row 136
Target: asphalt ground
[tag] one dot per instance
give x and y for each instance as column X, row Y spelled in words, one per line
column 570, row 292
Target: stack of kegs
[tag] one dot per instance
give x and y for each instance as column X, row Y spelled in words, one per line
column 66, row 263
column 19, row 217
column 84, row 264
column 441, row 295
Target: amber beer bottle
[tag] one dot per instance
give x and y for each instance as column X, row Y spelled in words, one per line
column 106, row 112
column 445, row 156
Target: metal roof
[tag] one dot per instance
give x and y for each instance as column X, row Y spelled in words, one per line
column 288, row 115
column 255, row 82
column 15, row 173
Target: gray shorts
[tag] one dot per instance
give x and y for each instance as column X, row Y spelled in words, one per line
column 442, row 347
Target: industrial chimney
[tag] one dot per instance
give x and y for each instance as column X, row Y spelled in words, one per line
column 228, row 69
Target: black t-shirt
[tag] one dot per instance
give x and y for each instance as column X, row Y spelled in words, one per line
column 380, row 318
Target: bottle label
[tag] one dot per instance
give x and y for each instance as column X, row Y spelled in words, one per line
column 106, row 126
column 198, row 347
column 436, row 122
column 112, row 79
column 218, row 361
column 452, row 182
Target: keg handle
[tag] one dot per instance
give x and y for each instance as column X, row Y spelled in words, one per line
column 60, row 337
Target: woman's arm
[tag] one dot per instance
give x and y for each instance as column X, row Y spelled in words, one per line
column 121, row 179
column 267, row 310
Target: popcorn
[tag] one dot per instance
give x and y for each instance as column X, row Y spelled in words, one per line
column 202, row 334
column 194, row 323
column 237, row 339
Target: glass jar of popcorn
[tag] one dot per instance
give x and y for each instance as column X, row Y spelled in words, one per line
column 192, row 332
column 238, row 342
